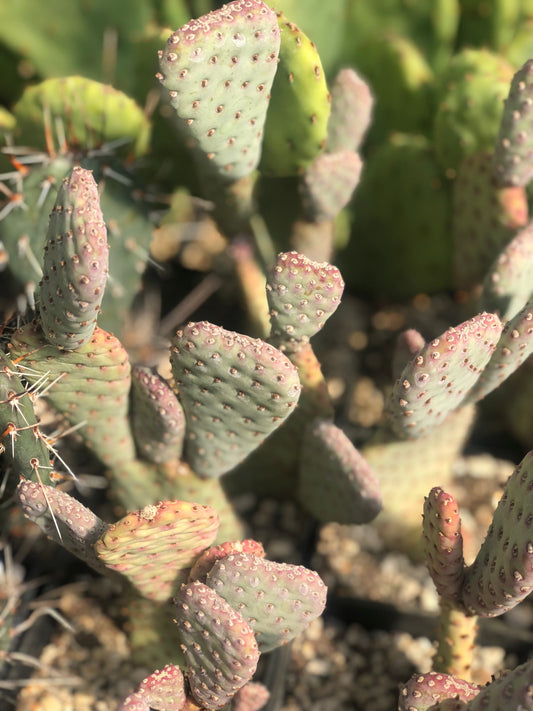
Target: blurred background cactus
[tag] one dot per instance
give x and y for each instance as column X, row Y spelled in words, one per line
column 188, row 192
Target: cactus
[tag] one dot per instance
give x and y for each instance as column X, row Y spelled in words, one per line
column 352, row 105
column 162, row 690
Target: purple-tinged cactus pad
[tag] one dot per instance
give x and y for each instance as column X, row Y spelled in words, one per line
column 502, row 573
column 235, row 391
column 162, row 690
column 63, row 519
column 351, row 112
column 157, row 418
column 513, row 156
column 210, row 556
column 437, row 380
column 443, row 543
column 156, row 546
column 514, row 348
column 219, row 71
column 302, row 295
column 328, row 183
column 423, row 691
column 75, row 263
column 509, row 282
column 219, row 646
column 336, row 482
column 277, row 600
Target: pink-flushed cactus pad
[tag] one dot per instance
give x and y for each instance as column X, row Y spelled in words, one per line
column 351, row 111
column 156, row 546
column 219, row 646
column 438, row 378
column 443, row 543
column 210, row 556
column 423, row 691
column 162, row 690
column 219, row 70
column 277, row 600
column 302, row 295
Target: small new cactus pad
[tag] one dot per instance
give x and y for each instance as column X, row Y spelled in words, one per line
column 484, row 218
column 328, row 184
column 162, row 690
column 63, row 519
column 501, row 575
column 277, row 600
column 90, row 389
column 513, row 349
column 351, row 112
column 437, row 380
column 509, row 282
column 218, row 71
column 251, row 697
column 336, row 483
column 91, row 114
column 157, row 418
column 209, row 557
column 155, row 546
column 219, row 646
column 297, row 119
column 22, row 445
column 235, row 391
column 302, row 295
column 513, row 156
column 423, row 691
column 75, row 263
column 443, row 543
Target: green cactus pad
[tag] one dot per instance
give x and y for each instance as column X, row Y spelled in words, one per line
column 443, row 543
column 328, row 183
column 163, row 690
column 218, row 71
column 501, row 575
column 63, row 519
column 400, row 209
column 509, row 282
column 157, row 418
column 75, row 263
column 297, row 120
column 513, row 156
column 351, row 112
column 471, row 94
column 155, row 546
column 235, row 391
column 484, row 218
column 91, row 114
column 301, row 294
column 22, row 446
column 336, row 483
column 437, row 380
column 277, row 600
column 513, row 349
column 209, row 557
column 512, row 692
column 90, row 390
column 219, row 646
column 424, row 691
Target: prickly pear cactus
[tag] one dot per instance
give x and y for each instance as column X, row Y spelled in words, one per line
column 75, row 263
column 235, row 391
column 297, row 120
column 440, row 376
column 218, row 71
